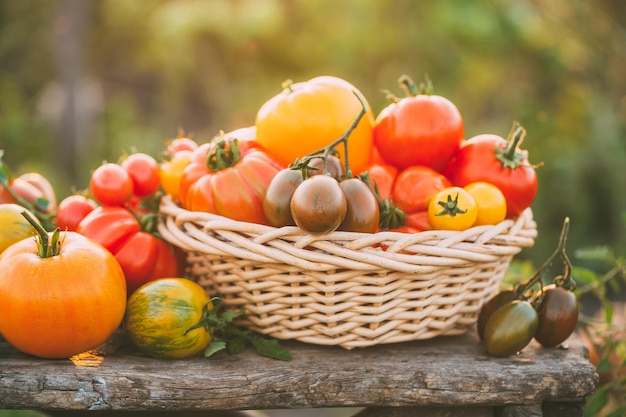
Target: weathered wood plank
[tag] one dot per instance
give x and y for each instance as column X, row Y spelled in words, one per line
column 446, row 371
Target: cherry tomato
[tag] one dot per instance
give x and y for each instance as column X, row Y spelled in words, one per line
column 144, row 173
column 488, row 308
column 500, row 162
column 558, row 315
column 415, row 186
column 306, row 116
column 362, row 211
column 318, row 205
column 334, row 167
column 510, row 328
column 490, row 201
column 181, row 144
column 72, row 210
column 171, row 173
column 111, row 185
column 142, row 256
column 420, row 129
column 452, row 209
column 418, row 220
column 383, row 176
column 277, row 200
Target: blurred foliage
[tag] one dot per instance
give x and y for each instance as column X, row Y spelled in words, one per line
column 83, row 80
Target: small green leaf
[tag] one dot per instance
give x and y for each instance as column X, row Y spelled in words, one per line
column 270, row 348
column 229, row 316
column 618, row 412
column 597, row 402
column 214, row 346
column 596, row 253
column 584, row 275
column 604, row 365
column 236, row 345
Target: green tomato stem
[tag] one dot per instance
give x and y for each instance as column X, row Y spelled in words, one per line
column 45, row 247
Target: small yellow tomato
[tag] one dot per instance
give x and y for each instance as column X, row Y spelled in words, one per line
column 171, row 172
column 490, row 201
column 452, row 208
column 13, row 226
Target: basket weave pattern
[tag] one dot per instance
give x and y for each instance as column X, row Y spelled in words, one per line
column 344, row 288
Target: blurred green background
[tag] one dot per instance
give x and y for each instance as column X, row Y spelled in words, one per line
column 83, row 80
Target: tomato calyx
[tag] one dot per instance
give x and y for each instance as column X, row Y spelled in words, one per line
column 410, row 88
column 226, row 335
column 511, row 156
column 391, row 216
column 46, row 247
column 450, row 207
column 224, row 154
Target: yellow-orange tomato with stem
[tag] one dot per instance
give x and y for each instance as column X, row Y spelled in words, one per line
column 452, row 208
column 307, row 116
column 490, row 201
column 60, row 295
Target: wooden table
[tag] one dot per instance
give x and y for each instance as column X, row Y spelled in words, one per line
column 440, row 377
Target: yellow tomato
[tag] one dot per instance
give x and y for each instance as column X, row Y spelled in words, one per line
column 13, row 226
column 171, row 172
column 308, row 116
column 490, row 201
column 452, row 208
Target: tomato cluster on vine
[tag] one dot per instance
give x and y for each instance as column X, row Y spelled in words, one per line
column 510, row 319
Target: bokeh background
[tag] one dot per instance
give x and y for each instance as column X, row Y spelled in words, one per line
column 83, row 80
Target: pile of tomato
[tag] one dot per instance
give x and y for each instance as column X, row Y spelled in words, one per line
column 317, row 157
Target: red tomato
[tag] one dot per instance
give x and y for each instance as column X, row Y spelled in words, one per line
column 420, row 129
column 144, row 173
column 229, row 182
column 72, row 210
column 142, row 256
column 415, row 186
column 382, row 177
column 492, row 159
column 111, row 185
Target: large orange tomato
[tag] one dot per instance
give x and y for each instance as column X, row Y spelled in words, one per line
column 60, row 301
column 308, row 116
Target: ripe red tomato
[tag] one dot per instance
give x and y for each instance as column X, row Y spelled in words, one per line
column 491, row 158
column 72, row 210
column 382, row 177
column 229, row 182
column 420, row 129
column 142, row 256
column 68, row 301
column 144, row 173
column 415, row 186
column 111, row 185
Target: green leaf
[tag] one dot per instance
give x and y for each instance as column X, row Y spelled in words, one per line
column 618, row 412
column 604, row 365
column 236, row 345
column 597, row 402
column 214, row 346
column 270, row 348
column 229, row 316
column 584, row 275
column 596, row 253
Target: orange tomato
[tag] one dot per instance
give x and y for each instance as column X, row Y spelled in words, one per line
column 307, row 116
column 63, row 304
column 452, row 208
column 490, row 200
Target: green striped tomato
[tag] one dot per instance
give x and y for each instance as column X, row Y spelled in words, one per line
column 165, row 318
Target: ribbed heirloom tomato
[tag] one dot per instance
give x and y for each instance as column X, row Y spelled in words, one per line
column 228, row 178
column 307, row 116
column 59, row 296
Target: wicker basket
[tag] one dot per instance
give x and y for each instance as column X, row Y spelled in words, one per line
column 343, row 288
